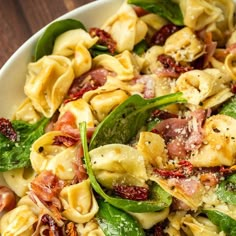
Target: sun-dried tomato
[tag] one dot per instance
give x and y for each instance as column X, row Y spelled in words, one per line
column 7, row 129
column 158, row 230
column 160, row 37
column 163, row 115
column 104, row 38
column 185, row 170
column 131, row 192
column 64, row 140
column 170, row 64
column 54, row 229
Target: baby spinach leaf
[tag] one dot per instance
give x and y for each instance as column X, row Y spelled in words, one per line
column 159, row 199
column 227, row 190
column 223, row 221
column 16, row 154
column 124, row 122
column 45, row 43
column 98, row 49
column 116, row 222
column 165, row 8
column 141, row 47
column 229, row 108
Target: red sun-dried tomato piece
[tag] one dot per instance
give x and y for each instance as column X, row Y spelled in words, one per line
column 131, row 192
column 160, row 37
column 54, row 229
column 104, row 38
column 7, row 129
column 170, row 64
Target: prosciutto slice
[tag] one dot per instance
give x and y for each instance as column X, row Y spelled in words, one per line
column 182, row 135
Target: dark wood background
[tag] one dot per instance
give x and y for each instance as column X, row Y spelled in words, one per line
column 20, row 19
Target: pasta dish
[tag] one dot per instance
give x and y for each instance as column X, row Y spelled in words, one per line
column 128, row 128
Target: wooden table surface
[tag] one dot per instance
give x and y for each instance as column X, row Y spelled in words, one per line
column 20, row 19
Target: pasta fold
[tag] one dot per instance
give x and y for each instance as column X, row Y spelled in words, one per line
column 125, row 65
column 79, row 203
column 18, row 180
column 46, row 155
column 125, row 28
column 198, row 86
column 152, row 147
column 183, row 45
column 19, row 221
column 219, row 143
column 47, row 83
column 118, row 164
column 74, row 44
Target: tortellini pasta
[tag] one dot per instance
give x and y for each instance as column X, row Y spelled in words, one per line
column 188, row 191
column 118, row 164
column 153, row 149
column 112, row 100
column 27, row 112
column 89, row 229
column 149, row 219
column 125, row 28
column 125, row 65
column 19, row 179
column 190, row 225
column 184, row 45
column 77, row 49
column 201, row 87
column 19, row 221
column 81, row 110
column 219, row 143
column 79, row 202
column 45, row 155
column 47, row 83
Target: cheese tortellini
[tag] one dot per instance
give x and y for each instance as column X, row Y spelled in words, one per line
column 202, row 87
column 79, row 202
column 115, row 164
column 47, row 83
column 126, row 28
column 46, row 155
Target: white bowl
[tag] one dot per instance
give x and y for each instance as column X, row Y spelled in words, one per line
column 13, row 73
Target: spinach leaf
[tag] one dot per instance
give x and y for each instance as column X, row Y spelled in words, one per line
column 227, row 190
column 124, row 122
column 165, row 8
column 141, row 47
column 229, row 108
column 16, row 154
column 45, row 43
column 159, row 199
column 116, row 222
column 98, row 49
column 223, row 221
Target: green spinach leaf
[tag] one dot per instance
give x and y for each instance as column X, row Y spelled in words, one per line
column 16, row 154
column 229, row 108
column 141, row 47
column 98, row 49
column 223, row 221
column 45, row 43
column 116, row 222
column 227, row 190
column 165, row 8
column 124, row 122
column 159, row 199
